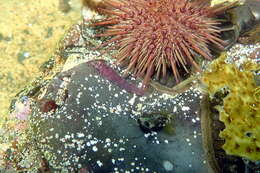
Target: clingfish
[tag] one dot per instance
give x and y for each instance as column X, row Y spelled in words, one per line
column 111, row 75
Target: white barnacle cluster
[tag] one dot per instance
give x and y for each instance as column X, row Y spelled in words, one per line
column 240, row 53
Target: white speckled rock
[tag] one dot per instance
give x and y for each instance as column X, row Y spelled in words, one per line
column 96, row 126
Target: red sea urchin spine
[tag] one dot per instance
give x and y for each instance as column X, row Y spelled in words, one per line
column 155, row 35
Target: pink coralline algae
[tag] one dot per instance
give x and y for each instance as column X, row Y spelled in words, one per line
column 22, row 109
column 109, row 74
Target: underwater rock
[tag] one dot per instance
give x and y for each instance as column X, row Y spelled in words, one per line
column 96, row 127
column 252, row 36
column 86, row 117
column 236, row 22
column 255, row 8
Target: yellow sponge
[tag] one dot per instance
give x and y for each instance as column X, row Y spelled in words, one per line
column 240, row 111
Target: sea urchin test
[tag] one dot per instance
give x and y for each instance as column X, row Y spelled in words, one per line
column 153, row 36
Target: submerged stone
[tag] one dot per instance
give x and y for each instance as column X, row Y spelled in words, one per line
column 96, row 127
column 85, row 116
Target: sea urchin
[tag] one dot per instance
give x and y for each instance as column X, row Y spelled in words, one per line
column 155, row 35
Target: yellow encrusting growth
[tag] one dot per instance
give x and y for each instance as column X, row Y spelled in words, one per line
column 240, row 111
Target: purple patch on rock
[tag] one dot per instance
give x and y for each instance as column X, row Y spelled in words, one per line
column 22, row 109
column 111, row 75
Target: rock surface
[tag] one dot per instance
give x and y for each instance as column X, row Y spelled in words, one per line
column 95, row 126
